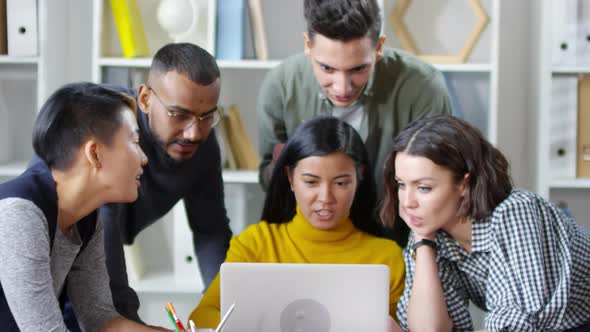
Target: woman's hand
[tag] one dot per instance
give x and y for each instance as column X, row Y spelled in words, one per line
column 392, row 326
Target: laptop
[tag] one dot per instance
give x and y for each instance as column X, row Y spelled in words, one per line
column 277, row 297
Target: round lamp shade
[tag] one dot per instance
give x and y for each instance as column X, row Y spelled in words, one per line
column 179, row 18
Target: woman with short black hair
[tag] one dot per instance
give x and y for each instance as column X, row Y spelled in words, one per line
column 86, row 137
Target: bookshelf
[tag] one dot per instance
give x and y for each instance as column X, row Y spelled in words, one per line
column 490, row 89
column 6, row 59
column 27, row 81
column 556, row 100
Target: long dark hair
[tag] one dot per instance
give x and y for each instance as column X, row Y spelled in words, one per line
column 319, row 137
column 459, row 147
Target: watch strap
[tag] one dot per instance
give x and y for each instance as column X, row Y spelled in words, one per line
column 423, row 242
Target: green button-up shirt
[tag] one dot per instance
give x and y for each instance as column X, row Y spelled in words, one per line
column 402, row 89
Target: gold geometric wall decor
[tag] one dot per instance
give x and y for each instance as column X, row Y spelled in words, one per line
column 407, row 41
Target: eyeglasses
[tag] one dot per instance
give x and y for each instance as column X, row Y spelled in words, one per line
column 186, row 119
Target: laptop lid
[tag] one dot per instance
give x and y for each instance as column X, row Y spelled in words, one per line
column 278, row 297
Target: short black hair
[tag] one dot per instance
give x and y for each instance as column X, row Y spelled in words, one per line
column 186, row 59
column 319, row 137
column 73, row 114
column 343, row 20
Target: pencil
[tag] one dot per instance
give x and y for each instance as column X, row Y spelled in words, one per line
column 225, row 317
column 173, row 312
column 172, row 319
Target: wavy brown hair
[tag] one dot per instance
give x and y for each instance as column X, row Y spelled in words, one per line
column 459, row 147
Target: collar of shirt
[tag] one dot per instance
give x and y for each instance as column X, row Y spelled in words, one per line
column 480, row 235
column 480, row 242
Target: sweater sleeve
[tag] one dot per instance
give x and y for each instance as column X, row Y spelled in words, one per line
column 242, row 249
column 397, row 279
column 25, row 272
column 88, row 285
column 125, row 299
column 529, row 286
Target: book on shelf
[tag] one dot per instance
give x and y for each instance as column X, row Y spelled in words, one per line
column 248, row 37
column 21, row 27
column 228, row 159
column 258, row 29
column 234, row 36
column 583, row 149
column 129, row 28
column 240, row 144
column 3, row 38
column 230, row 29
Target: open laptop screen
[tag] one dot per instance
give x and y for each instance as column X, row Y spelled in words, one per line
column 278, row 297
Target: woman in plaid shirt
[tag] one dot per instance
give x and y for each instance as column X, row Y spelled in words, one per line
column 474, row 237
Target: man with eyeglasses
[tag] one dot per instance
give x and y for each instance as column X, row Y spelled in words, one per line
column 176, row 116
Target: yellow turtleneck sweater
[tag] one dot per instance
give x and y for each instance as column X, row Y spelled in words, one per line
column 299, row 242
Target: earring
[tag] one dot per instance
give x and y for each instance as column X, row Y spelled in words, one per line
column 98, row 165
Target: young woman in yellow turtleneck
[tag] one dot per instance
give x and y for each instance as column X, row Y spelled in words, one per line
column 319, row 208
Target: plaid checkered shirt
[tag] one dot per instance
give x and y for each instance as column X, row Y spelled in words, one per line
column 529, row 269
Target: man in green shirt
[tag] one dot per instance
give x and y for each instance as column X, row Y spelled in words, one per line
column 346, row 72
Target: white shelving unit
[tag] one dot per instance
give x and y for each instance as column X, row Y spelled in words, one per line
column 491, row 89
column 6, row 59
column 25, row 83
column 557, row 72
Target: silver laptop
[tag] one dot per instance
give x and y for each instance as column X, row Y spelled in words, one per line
column 275, row 297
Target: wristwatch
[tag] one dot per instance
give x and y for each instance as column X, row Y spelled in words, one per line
column 423, row 242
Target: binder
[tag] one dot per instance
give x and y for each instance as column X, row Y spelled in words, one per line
column 134, row 262
column 21, row 27
column 230, row 25
column 563, row 118
column 583, row 151
column 130, row 28
column 565, row 31
column 583, row 31
column 3, row 39
column 185, row 262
